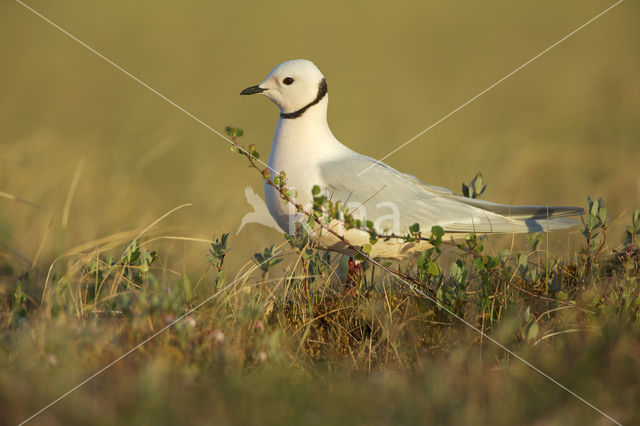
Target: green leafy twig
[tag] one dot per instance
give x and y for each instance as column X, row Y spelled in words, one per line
column 594, row 230
column 633, row 231
column 475, row 188
column 288, row 195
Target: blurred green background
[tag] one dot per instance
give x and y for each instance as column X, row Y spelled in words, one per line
column 564, row 127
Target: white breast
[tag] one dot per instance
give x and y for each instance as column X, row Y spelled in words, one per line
column 299, row 146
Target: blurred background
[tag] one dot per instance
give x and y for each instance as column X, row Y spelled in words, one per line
column 564, row 127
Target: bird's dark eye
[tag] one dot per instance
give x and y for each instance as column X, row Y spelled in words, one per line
column 288, row 80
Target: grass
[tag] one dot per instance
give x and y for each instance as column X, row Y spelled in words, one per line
column 88, row 160
column 290, row 344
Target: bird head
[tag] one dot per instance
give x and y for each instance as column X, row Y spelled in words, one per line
column 294, row 86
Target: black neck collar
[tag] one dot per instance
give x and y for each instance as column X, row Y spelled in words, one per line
column 322, row 91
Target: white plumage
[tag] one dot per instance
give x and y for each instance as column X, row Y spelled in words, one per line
column 306, row 149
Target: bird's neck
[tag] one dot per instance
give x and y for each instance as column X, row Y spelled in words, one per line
column 307, row 136
column 315, row 117
column 307, row 131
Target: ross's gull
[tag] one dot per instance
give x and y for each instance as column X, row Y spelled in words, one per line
column 305, row 148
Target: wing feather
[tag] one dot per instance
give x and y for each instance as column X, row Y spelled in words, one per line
column 428, row 205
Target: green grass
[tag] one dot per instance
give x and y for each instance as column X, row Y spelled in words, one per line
column 103, row 158
column 562, row 128
column 266, row 350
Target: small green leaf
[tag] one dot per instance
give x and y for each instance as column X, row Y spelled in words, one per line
column 234, row 132
column 373, row 237
column 465, row 190
column 532, row 332
column 433, row 269
column 477, row 262
column 437, row 231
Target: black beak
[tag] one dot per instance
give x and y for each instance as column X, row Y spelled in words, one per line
column 252, row 90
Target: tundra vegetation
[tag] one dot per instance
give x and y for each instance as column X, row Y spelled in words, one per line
column 289, row 339
column 91, row 267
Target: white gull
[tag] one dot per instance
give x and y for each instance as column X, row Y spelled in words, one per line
column 307, row 151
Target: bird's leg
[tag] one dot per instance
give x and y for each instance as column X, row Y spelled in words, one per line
column 354, row 275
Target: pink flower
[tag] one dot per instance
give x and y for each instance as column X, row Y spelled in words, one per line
column 218, row 336
column 190, row 321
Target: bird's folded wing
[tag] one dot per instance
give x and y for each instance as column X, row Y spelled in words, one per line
column 382, row 190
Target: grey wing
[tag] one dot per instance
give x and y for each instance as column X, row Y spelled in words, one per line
column 395, row 201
